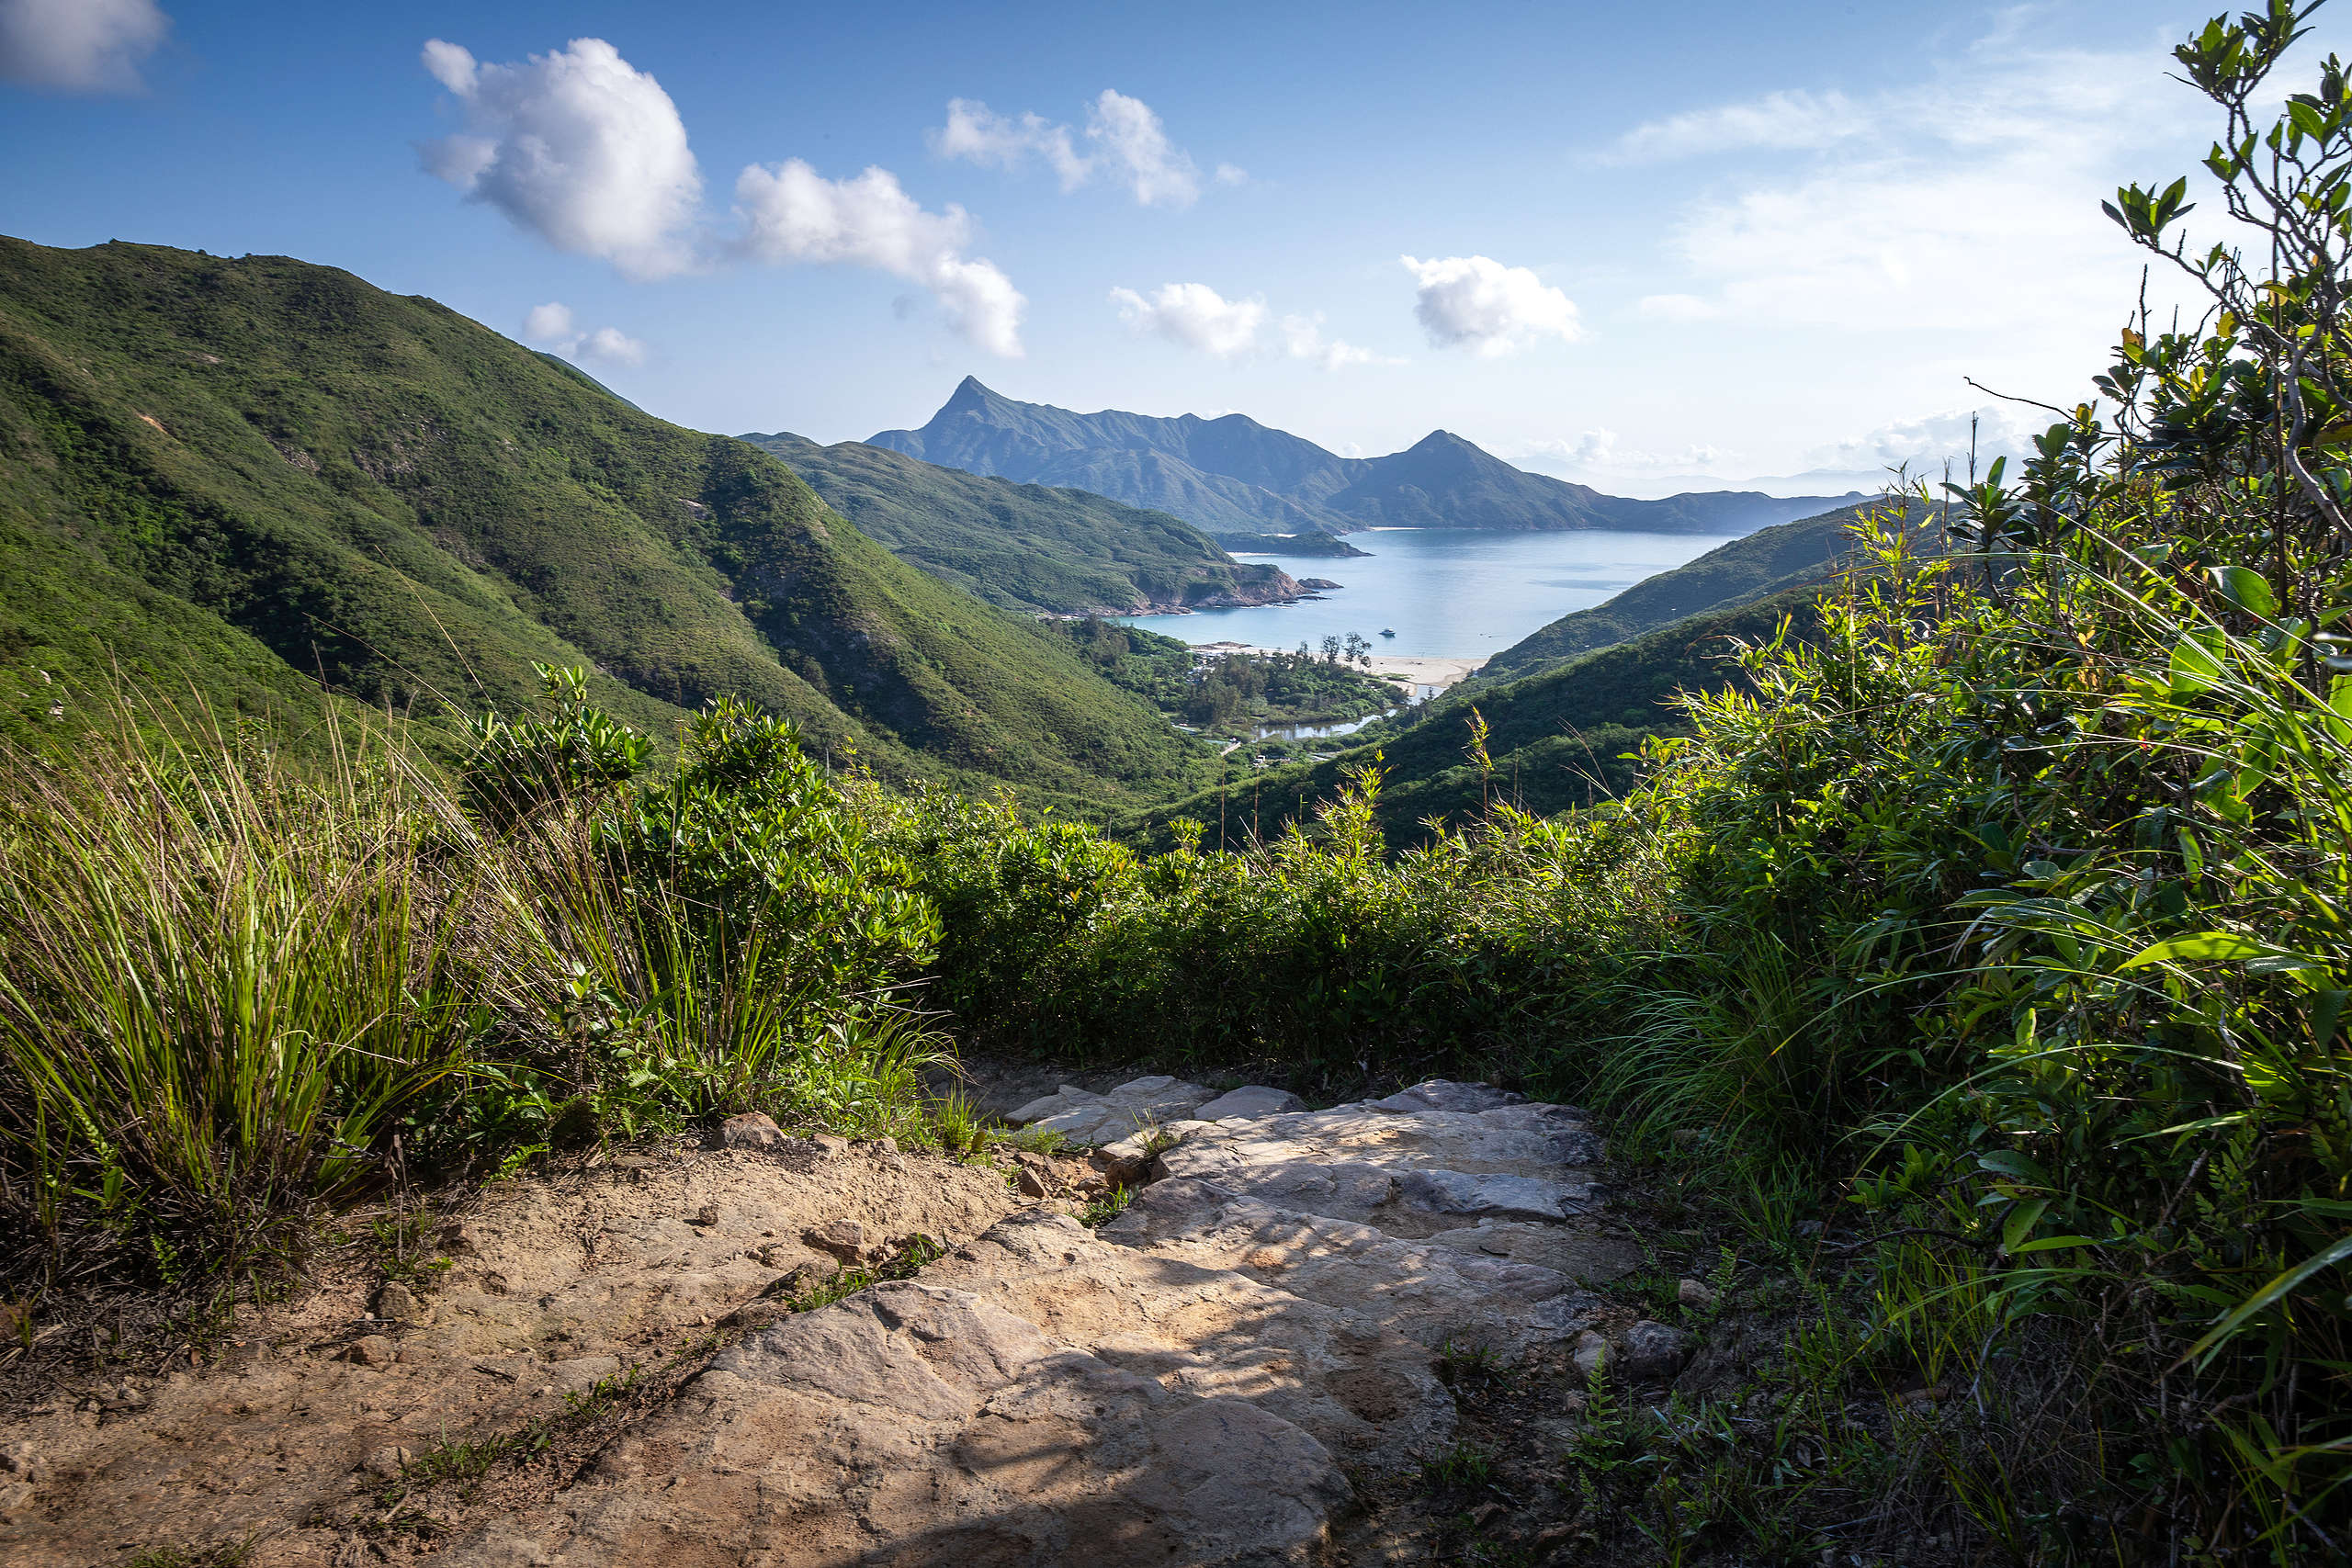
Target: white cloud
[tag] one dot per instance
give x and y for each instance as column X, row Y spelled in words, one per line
column 1199, row 318
column 1127, row 140
column 791, row 213
column 551, row 326
column 1597, row 451
column 1929, row 441
column 547, row 324
column 1779, row 121
column 1477, row 302
column 1232, row 175
column 979, row 133
column 1302, row 338
column 1136, row 146
column 1967, row 201
column 79, row 46
column 613, row 346
column 576, row 146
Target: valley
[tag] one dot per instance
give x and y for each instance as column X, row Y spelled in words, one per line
column 1054, row 988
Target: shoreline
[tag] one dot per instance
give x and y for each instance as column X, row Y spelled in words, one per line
column 1427, row 673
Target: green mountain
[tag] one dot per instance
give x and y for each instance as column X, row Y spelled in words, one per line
column 1557, row 738
column 1026, row 547
column 1764, row 563
column 245, row 477
column 1232, row 476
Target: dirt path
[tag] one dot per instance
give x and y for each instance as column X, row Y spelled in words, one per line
column 1259, row 1360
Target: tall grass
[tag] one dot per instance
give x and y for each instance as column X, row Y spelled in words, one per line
column 220, row 982
column 235, row 989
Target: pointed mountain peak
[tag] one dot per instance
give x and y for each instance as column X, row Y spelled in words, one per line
column 970, row 394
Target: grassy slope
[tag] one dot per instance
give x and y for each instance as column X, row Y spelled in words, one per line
column 245, row 472
column 1764, row 563
column 1021, row 546
column 1558, row 737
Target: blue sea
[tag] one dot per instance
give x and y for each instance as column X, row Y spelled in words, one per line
column 1446, row 593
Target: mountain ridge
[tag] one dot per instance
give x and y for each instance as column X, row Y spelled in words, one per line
column 250, row 480
column 1061, row 551
column 1231, row 475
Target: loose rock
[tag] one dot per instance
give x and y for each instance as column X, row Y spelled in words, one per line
column 845, row 1239
column 373, row 1350
column 1695, row 1293
column 1654, row 1351
column 397, row 1302
column 752, row 1130
column 1592, row 1353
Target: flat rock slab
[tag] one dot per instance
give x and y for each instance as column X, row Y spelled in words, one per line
column 919, row 1425
column 1082, row 1116
column 553, row 1286
column 1420, row 1290
column 1217, row 1324
column 1192, row 1384
column 1249, row 1103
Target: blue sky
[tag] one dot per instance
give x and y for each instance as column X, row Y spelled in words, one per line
column 1648, row 247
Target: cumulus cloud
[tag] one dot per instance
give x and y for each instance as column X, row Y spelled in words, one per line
column 1136, row 147
column 1199, row 318
column 552, row 327
column 977, row 132
column 547, row 324
column 79, row 46
column 1930, row 441
column 1479, row 303
column 1125, row 141
column 792, row 214
column 613, row 346
column 576, row 146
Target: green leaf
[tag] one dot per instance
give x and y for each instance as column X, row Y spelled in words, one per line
column 2279, row 1287
column 2010, row 1163
column 2203, row 944
column 2196, row 663
column 2247, row 588
column 2046, row 1243
column 2021, row 1223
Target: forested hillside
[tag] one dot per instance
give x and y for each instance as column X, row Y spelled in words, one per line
column 1562, row 737
column 1769, row 561
column 1025, row 547
column 245, row 477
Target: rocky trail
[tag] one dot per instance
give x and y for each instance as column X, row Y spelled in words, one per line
column 1256, row 1360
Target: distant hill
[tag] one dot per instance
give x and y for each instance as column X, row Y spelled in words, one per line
column 1787, row 555
column 1026, row 547
column 251, row 478
column 1558, row 738
column 1232, row 476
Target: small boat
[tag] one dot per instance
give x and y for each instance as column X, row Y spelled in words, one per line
column 1387, row 631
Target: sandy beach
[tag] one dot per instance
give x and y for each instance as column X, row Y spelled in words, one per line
column 1427, row 676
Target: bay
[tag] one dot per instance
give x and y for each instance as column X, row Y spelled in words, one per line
column 1446, row 593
